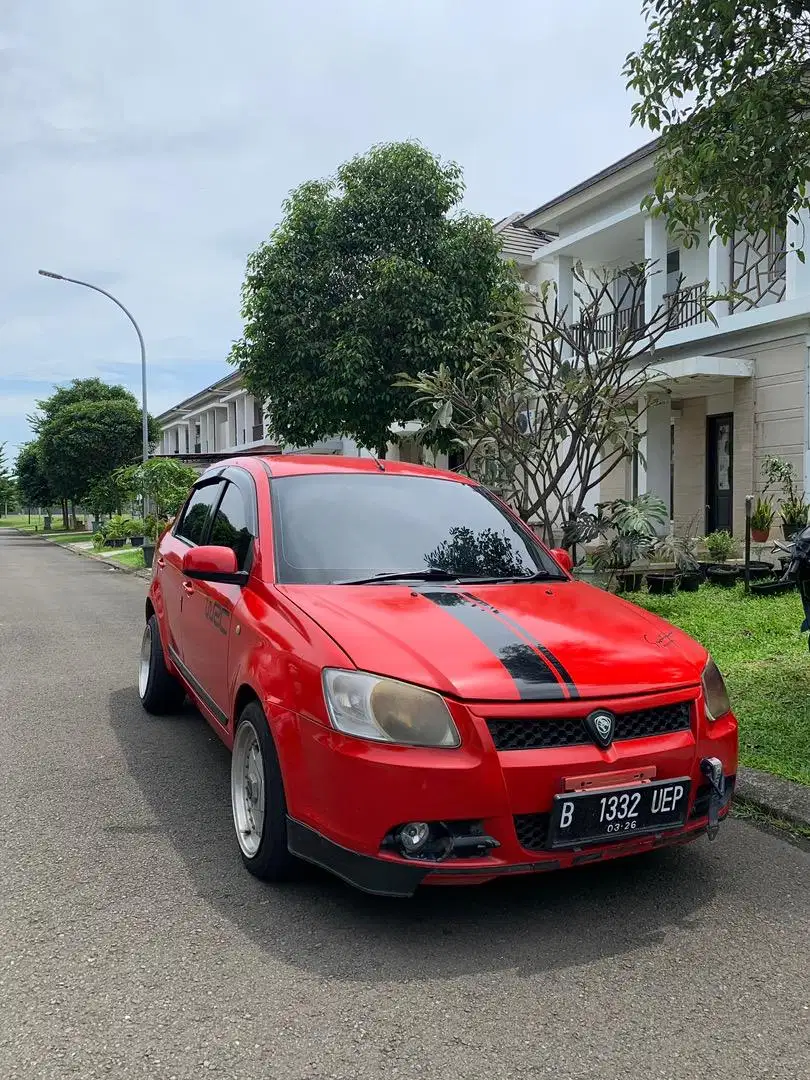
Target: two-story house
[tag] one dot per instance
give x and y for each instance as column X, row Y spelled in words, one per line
column 726, row 394
column 225, row 419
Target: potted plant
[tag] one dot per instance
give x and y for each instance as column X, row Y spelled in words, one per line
column 792, row 507
column 628, row 532
column 761, row 520
column 137, row 534
column 683, row 570
column 117, row 531
column 721, row 545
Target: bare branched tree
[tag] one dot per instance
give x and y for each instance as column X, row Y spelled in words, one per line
column 542, row 431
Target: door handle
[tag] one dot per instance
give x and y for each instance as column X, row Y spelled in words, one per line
column 188, row 588
column 161, row 562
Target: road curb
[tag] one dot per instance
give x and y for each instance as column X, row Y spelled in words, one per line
column 782, row 798
column 135, row 571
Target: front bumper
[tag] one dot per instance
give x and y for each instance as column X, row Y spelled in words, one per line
column 349, row 794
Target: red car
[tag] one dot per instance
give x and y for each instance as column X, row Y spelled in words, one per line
column 415, row 689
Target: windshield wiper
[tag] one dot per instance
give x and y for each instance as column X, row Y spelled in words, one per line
column 430, row 573
column 511, row 579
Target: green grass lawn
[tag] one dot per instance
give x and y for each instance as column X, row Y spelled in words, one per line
column 36, row 524
column 764, row 658
column 69, row 537
column 128, row 556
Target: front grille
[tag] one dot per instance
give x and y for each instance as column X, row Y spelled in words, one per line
column 532, row 830
column 537, row 733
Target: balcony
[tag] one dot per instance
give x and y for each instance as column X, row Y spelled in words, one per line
column 605, row 331
column 687, row 305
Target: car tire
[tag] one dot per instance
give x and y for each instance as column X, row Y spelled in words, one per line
column 159, row 691
column 257, row 798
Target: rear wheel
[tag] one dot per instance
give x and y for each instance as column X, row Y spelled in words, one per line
column 257, row 798
column 159, row 691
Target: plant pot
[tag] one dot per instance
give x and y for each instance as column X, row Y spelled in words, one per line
column 136, row 541
column 691, row 581
column 148, row 550
column 771, row 588
column 629, row 580
column 116, row 541
column 759, row 571
column 663, row 582
column 760, row 536
column 725, row 576
column 789, row 531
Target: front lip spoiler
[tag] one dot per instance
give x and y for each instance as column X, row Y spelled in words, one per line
column 385, row 877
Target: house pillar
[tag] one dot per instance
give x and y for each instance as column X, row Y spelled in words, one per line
column 564, row 282
column 797, row 273
column 655, row 445
column 655, row 257
column 719, row 273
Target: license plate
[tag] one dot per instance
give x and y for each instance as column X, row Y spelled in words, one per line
column 618, row 813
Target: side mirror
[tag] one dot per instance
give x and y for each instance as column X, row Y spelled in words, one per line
column 563, row 559
column 213, row 563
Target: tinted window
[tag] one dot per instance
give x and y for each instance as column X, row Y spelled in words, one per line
column 194, row 520
column 230, row 527
column 334, row 527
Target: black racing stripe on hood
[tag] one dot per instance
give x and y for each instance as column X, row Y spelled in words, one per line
column 534, row 678
column 547, row 654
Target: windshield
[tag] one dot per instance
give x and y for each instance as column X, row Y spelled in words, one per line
column 341, row 527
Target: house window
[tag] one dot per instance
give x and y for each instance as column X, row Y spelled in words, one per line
column 776, row 254
column 673, row 270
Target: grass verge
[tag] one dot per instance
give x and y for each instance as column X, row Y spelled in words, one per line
column 125, row 556
column 764, row 657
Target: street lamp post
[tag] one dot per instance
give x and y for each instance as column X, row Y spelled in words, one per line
column 129, row 315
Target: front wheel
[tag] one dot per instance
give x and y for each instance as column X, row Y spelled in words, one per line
column 159, row 691
column 257, row 798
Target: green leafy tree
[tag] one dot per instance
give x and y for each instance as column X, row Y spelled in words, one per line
column 727, row 86
column 8, row 485
column 84, row 442
column 79, row 390
column 165, row 481
column 32, row 479
column 372, row 273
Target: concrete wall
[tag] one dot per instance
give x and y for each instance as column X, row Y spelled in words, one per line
column 768, row 419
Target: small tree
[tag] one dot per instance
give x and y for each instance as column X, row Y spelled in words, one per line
column 165, row 481
column 544, row 429
column 371, row 273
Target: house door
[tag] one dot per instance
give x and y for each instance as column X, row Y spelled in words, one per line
column 719, row 467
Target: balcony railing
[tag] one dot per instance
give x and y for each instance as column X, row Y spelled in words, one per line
column 258, row 431
column 604, row 331
column 688, row 305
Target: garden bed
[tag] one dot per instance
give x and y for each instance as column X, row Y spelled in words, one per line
column 763, row 655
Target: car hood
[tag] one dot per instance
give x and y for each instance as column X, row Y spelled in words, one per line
column 534, row 642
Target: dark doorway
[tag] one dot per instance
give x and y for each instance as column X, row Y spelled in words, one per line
column 719, row 472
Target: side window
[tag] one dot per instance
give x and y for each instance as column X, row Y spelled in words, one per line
column 191, row 526
column 231, row 528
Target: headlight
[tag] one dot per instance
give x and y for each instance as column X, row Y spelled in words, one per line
column 386, row 710
column 715, row 694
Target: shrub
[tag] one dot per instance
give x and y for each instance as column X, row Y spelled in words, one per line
column 721, row 545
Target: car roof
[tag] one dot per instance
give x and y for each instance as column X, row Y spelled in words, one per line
column 309, row 464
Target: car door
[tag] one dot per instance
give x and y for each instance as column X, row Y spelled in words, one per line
column 209, row 623
column 190, row 529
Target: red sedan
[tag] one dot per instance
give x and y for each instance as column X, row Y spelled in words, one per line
column 415, row 689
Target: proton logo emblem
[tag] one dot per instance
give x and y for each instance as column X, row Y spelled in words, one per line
column 600, row 726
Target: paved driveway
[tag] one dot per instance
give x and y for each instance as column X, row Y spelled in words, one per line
column 132, row 943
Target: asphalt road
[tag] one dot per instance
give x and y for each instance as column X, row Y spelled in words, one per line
column 133, row 944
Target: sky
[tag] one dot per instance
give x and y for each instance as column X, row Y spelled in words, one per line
column 148, row 148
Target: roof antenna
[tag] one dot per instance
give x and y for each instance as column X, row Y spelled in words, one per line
column 376, row 461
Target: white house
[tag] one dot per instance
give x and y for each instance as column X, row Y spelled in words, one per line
column 733, row 392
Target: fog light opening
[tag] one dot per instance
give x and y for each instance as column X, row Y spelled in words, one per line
column 413, row 837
